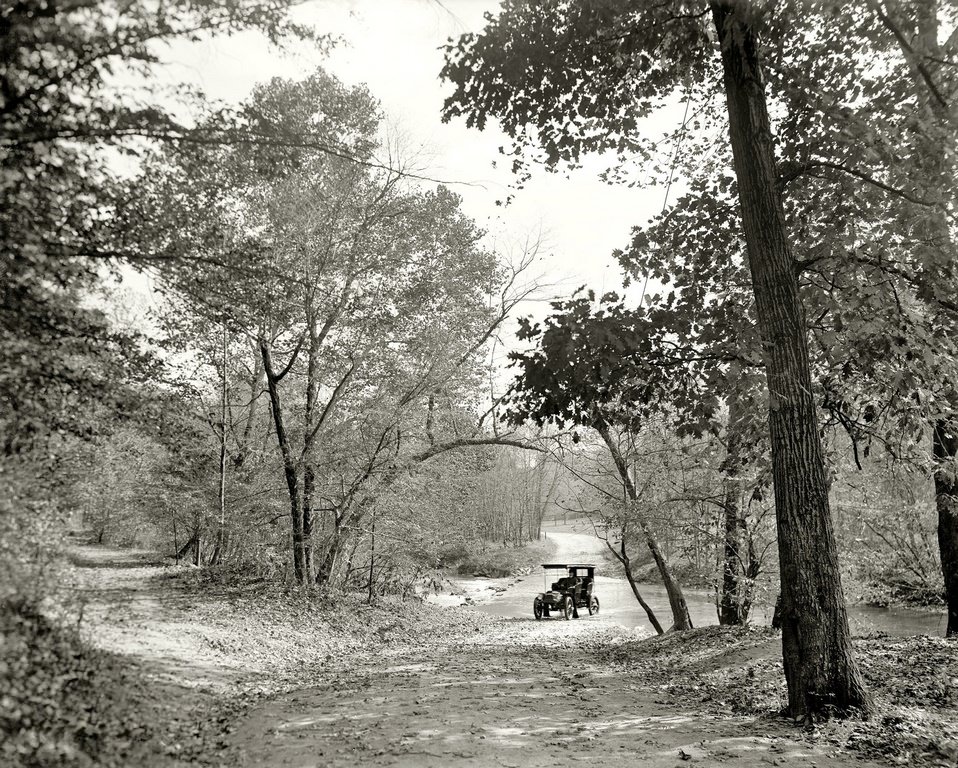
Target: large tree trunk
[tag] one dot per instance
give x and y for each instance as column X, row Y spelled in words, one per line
column 820, row 667
column 330, row 559
column 289, row 463
column 680, row 610
column 733, row 603
column 945, row 446
column 735, row 598
column 938, row 172
column 221, row 525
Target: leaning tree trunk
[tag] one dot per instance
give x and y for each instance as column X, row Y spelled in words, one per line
column 343, row 519
column 820, row 667
column 623, row 557
column 190, row 544
column 945, row 446
column 680, row 609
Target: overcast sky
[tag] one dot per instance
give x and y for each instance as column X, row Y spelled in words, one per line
column 394, row 47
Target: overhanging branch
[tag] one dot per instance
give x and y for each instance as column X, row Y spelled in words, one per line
column 792, row 171
column 474, row 441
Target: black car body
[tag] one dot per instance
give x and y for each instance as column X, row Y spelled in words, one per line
column 574, row 589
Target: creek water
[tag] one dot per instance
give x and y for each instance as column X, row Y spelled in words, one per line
column 619, row 606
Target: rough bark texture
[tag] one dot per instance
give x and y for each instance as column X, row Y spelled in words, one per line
column 680, row 610
column 820, row 668
column 945, row 446
column 739, row 567
column 936, row 157
column 309, row 441
column 733, row 605
column 289, row 463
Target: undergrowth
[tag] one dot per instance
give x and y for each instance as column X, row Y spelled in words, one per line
column 498, row 562
column 63, row 703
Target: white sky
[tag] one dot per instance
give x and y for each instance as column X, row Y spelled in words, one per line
column 393, row 47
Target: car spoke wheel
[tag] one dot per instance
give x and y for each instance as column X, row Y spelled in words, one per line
column 568, row 608
column 593, row 606
column 537, row 608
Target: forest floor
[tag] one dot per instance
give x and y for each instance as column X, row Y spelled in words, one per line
column 255, row 676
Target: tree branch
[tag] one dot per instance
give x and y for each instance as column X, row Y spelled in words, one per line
column 911, row 54
column 473, row 441
column 792, row 171
column 292, row 360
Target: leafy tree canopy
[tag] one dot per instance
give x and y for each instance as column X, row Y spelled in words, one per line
column 600, row 364
column 75, row 98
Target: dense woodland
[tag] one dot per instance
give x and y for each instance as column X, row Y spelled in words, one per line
column 257, row 340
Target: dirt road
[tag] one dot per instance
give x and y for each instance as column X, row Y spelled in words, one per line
column 575, row 542
column 520, row 695
column 248, row 681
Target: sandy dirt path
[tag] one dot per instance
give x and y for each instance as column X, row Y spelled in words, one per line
column 129, row 612
column 522, row 696
column 575, row 543
column 510, row 692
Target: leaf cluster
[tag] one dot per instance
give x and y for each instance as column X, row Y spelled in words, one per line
column 599, row 364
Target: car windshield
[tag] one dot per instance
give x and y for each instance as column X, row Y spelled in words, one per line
column 552, row 575
column 555, row 574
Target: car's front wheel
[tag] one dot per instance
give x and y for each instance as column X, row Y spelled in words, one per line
column 537, row 608
column 568, row 608
column 593, row 606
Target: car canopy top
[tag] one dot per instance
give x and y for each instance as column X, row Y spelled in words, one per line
column 568, row 565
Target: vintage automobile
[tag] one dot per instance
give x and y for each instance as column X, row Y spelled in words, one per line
column 572, row 587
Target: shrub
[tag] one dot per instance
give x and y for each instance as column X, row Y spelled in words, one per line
column 61, row 703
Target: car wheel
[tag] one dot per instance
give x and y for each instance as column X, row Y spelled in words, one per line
column 568, row 608
column 537, row 608
column 593, row 606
